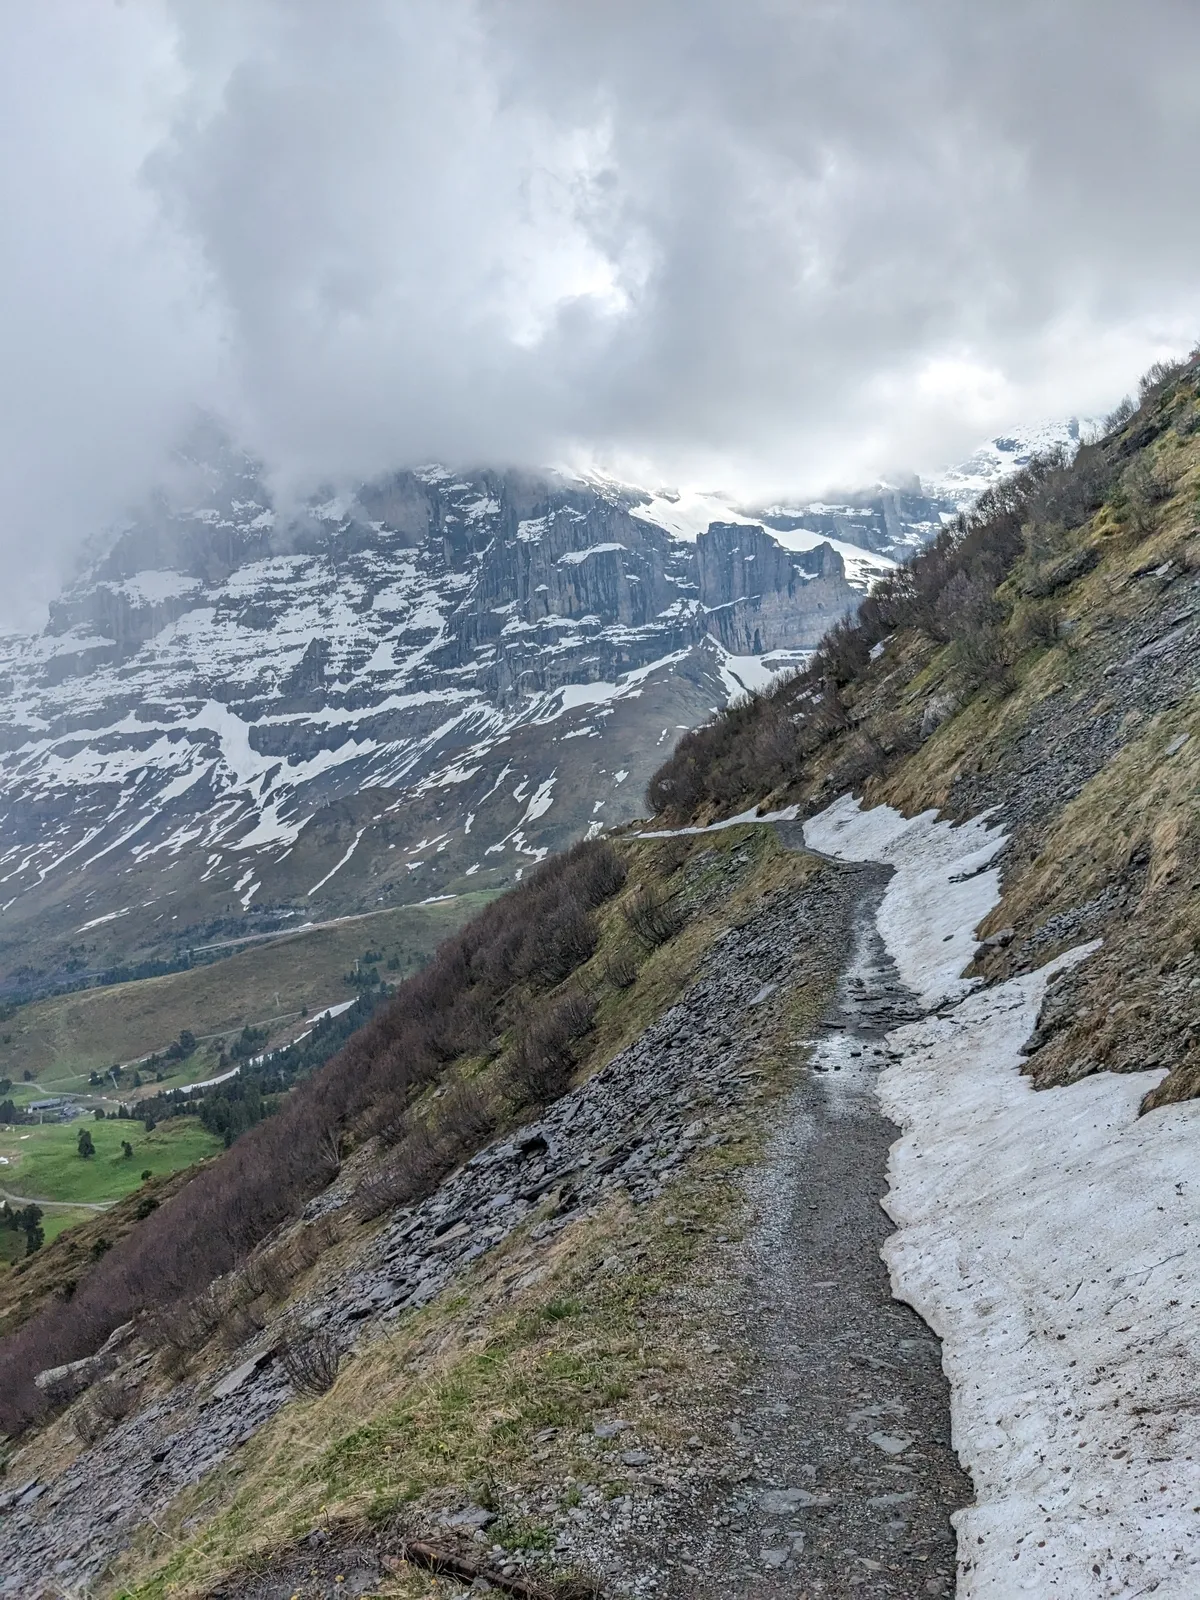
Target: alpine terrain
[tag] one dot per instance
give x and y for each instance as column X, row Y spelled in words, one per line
column 783, row 1181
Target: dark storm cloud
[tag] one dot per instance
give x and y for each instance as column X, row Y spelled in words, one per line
column 767, row 244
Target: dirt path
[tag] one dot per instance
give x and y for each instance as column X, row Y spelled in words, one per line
column 839, row 1479
column 56, row 1205
column 849, row 1411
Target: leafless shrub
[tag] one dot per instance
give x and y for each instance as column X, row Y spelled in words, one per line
column 653, row 916
column 577, row 1011
column 844, row 652
column 311, row 1361
column 669, row 855
column 542, row 1062
column 966, row 605
column 188, row 1326
column 306, row 1246
column 1146, row 486
column 240, row 1324
column 1120, row 414
column 1156, row 380
column 113, row 1400
column 981, row 660
column 464, row 1116
column 87, row 1423
column 264, row 1276
column 560, row 941
column 620, row 967
column 1035, row 626
column 861, row 758
column 415, row 1167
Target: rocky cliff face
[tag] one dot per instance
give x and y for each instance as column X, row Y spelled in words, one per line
column 497, row 658
column 759, row 596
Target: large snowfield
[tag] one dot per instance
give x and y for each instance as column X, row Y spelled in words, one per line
column 1052, row 1241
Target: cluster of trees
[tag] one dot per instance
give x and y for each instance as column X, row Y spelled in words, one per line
column 484, row 980
column 26, row 1220
column 123, row 1114
column 231, row 1108
column 10, row 1112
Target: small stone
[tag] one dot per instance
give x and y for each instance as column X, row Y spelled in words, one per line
column 892, row 1444
column 471, row 1516
column 781, row 1502
column 636, row 1458
column 610, row 1430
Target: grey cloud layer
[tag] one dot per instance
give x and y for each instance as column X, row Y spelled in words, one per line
column 772, row 243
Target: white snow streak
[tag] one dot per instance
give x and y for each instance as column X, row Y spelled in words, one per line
column 339, row 865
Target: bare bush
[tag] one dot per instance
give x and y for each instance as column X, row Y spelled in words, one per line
column 311, row 1361
column 670, row 855
column 577, row 1012
column 239, row 1325
column 560, row 941
column 653, row 916
column 844, row 652
column 1035, row 626
column 263, row 1276
column 1120, row 414
column 1146, row 486
column 1156, row 380
column 113, row 1400
column 87, row 1424
column 981, row 660
column 966, row 605
column 465, row 1117
column 620, row 967
column 542, row 1061
column 187, row 1327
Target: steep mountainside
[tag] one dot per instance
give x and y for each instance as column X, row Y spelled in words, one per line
column 238, row 720
column 564, row 1276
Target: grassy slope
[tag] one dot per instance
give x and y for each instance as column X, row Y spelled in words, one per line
column 456, row 1399
column 1114, row 854
column 61, row 1040
column 44, row 1162
column 67, row 1253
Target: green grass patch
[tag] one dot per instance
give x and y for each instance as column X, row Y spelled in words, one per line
column 44, row 1161
column 61, row 1040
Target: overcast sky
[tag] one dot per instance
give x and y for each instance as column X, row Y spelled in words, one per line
column 762, row 244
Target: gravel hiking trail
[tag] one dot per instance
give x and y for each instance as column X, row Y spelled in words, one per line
column 839, row 1478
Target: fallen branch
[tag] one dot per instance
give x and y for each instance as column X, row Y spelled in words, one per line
column 420, row 1553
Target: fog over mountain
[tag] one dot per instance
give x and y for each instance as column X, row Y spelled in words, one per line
column 763, row 247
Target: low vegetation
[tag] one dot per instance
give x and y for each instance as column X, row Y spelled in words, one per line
column 482, row 982
column 60, row 1040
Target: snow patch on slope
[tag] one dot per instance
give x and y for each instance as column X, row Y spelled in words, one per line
column 1051, row 1239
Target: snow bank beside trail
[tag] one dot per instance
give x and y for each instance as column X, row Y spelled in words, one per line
column 942, row 889
column 1052, row 1240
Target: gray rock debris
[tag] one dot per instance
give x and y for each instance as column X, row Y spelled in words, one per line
column 628, row 1128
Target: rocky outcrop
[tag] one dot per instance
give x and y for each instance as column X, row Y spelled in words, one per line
column 757, row 596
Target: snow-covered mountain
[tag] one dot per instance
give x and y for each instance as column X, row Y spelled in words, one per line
column 236, row 719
